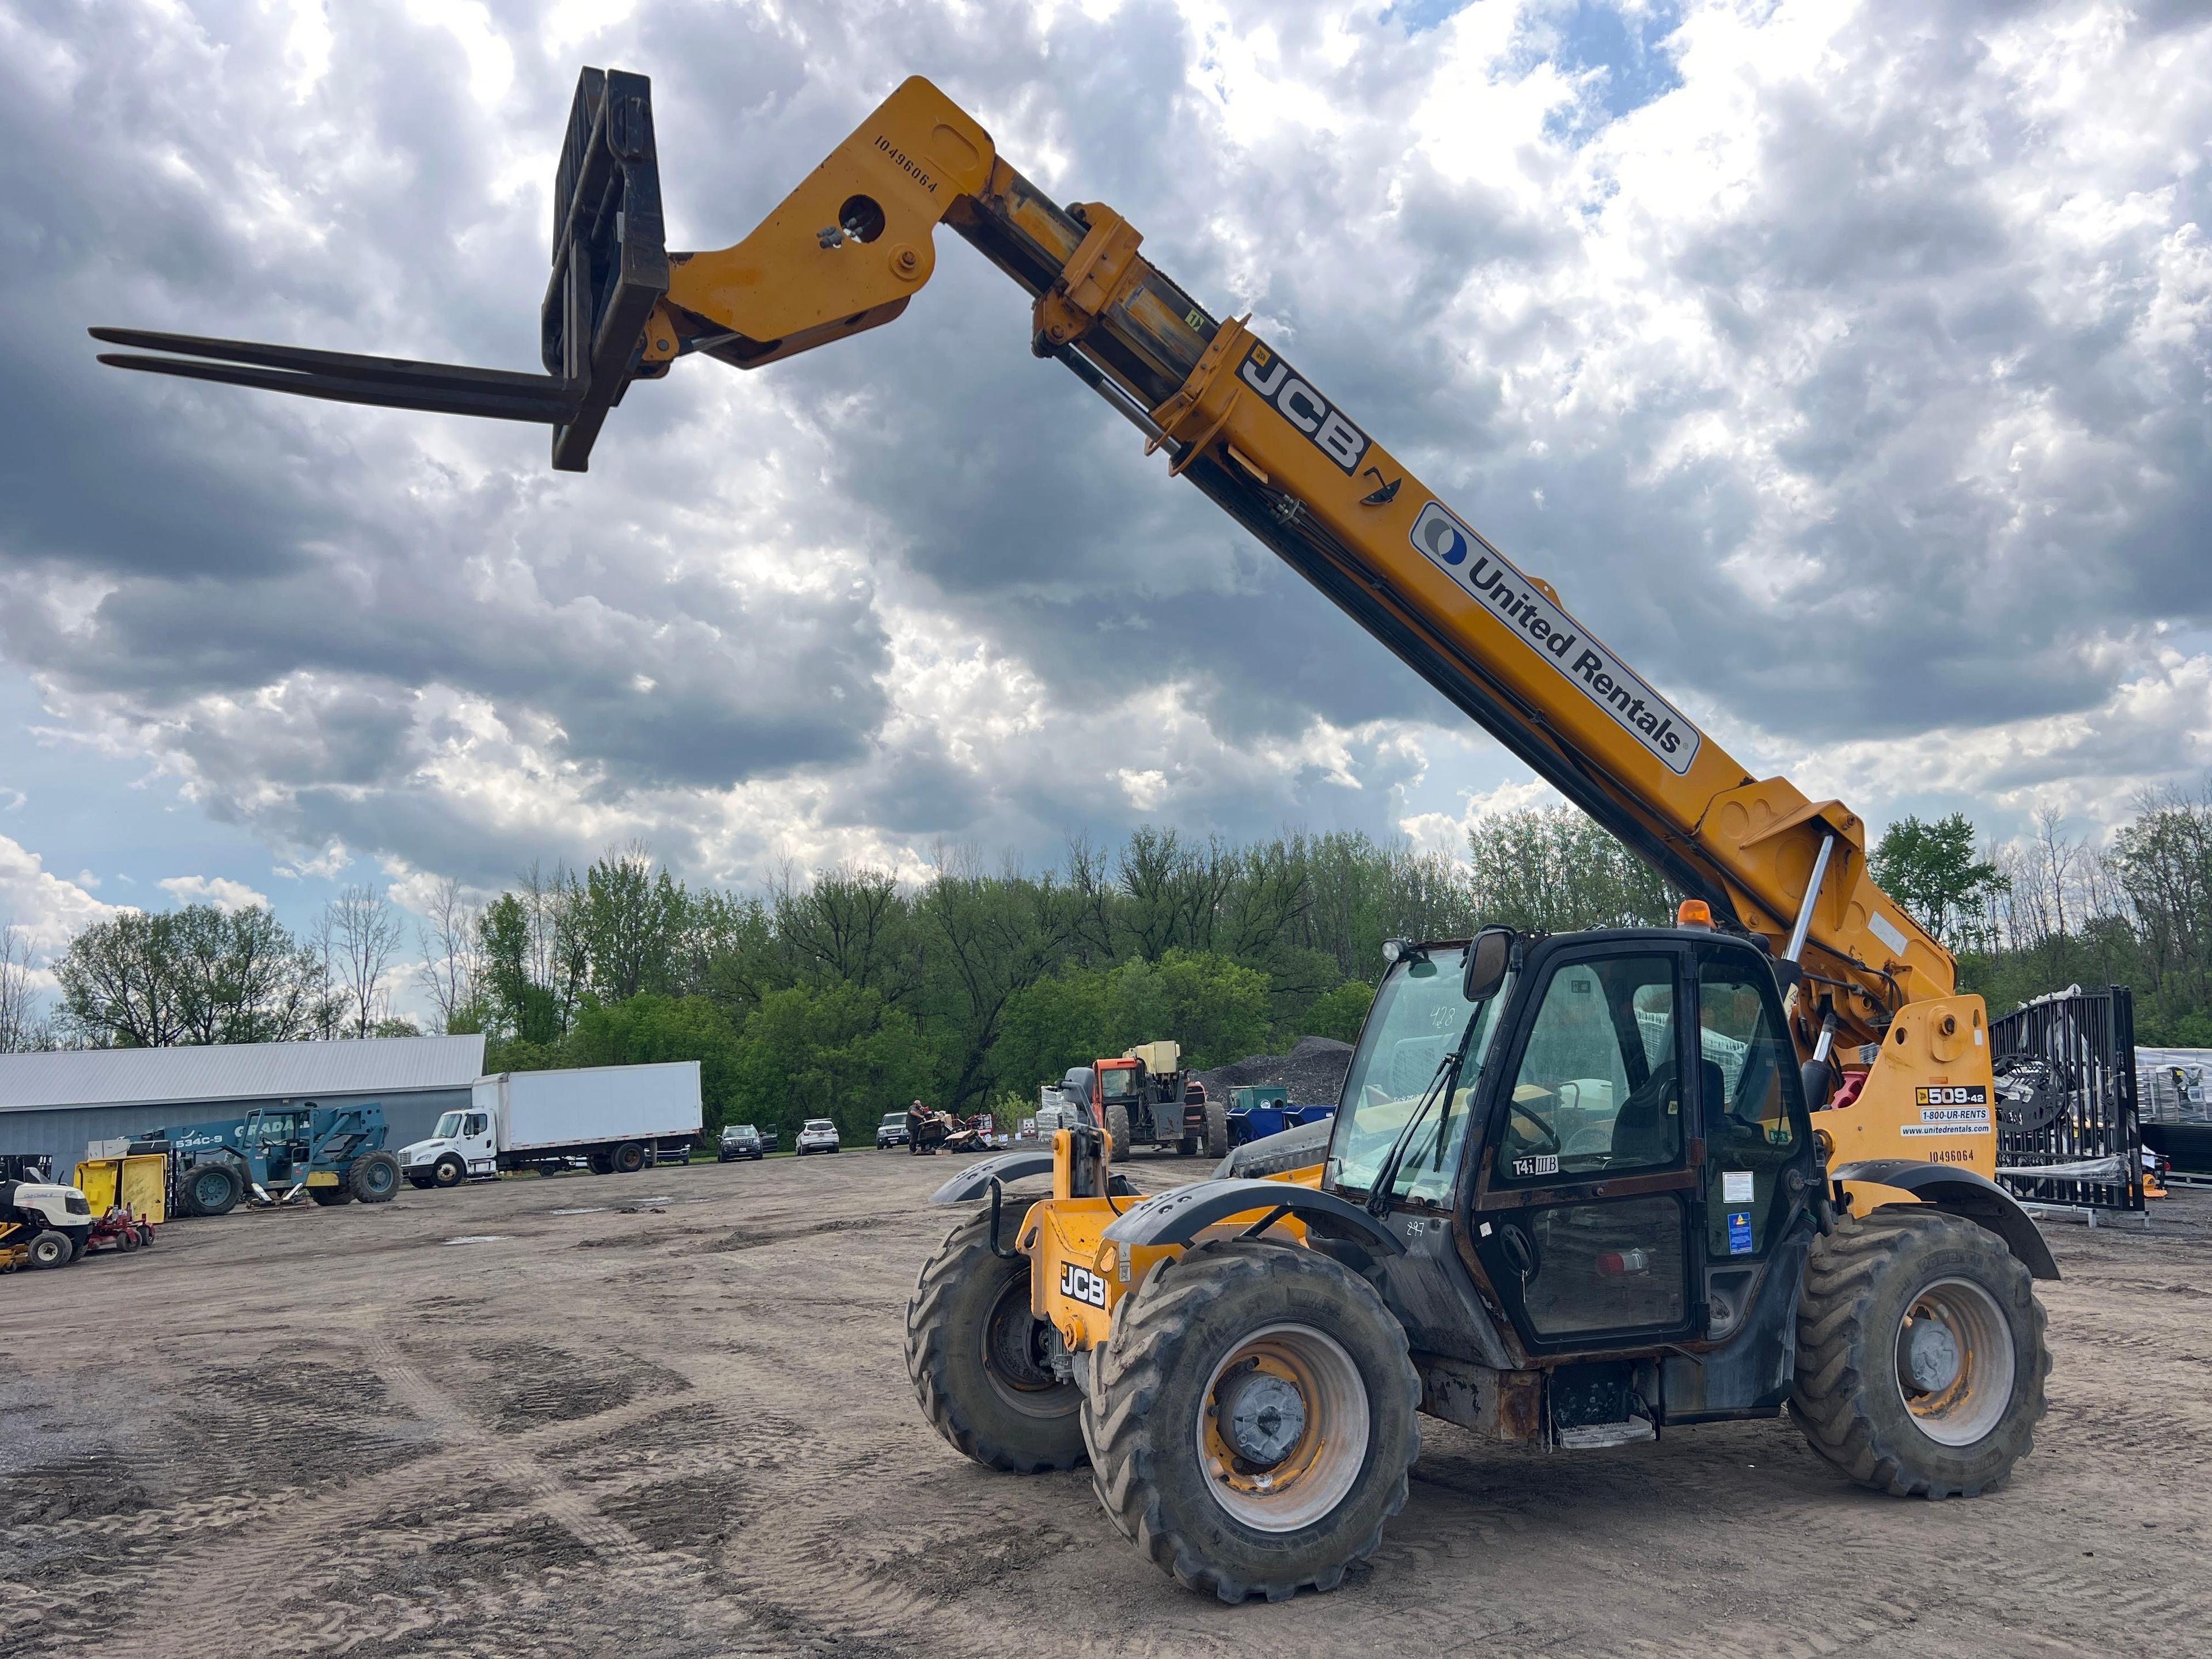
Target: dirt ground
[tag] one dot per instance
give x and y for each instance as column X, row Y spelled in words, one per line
column 517, row 1420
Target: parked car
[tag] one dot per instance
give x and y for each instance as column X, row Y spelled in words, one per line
column 818, row 1134
column 891, row 1132
column 739, row 1140
column 770, row 1138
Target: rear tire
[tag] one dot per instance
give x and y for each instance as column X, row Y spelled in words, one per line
column 449, row 1171
column 50, row 1250
column 1921, row 1357
column 80, row 1241
column 213, row 1189
column 1257, row 1348
column 1217, row 1128
column 331, row 1197
column 629, row 1158
column 375, row 1177
column 1117, row 1125
column 978, row 1357
column 600, row 1163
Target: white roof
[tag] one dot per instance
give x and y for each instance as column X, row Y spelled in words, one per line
column 237, row 1070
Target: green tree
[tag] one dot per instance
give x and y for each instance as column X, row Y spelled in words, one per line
column 1216, row 1009
column 836, row 1051
column 1338, row 1014
column 631, row 924
column 649, row 1029
column 1050, row 1025
column 197, row 975
column 1933, row 871
column 1554, row 869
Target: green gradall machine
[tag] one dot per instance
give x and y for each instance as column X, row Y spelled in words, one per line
column 275, row 1154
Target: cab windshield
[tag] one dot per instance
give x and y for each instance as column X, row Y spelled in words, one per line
column 1119, row 1083
column 449, row 1127
column 1419, row 1017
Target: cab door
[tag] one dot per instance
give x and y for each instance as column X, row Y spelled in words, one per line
column 1585, row 1208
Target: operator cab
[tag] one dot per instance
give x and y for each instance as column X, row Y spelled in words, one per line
column 1608, row 1127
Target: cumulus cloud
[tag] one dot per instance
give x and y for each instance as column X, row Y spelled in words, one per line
column 1843, row 365
column 44, row 908
column 220, row 891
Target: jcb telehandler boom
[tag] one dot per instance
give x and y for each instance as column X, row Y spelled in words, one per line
column 1579, row 1190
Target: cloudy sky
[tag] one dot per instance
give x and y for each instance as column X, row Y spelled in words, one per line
column 1845, row 367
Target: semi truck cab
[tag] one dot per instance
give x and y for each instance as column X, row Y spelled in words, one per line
column 461, row 1147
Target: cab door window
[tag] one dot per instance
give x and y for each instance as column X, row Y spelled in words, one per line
column 475, row 1126
column 1596, row 1089
column 1754, row 1127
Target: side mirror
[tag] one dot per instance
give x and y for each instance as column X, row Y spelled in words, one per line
column 1487, row 959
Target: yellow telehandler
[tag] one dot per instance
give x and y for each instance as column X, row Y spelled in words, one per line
column 1580, row 1190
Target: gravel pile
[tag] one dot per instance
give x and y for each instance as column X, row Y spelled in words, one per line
column 1313, row 1072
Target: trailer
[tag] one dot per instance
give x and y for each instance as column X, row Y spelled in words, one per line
column 608, row 1119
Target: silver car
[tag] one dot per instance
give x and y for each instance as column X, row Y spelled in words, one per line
column 818, row 1135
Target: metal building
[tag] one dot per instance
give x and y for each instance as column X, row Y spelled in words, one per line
column 56, row 1103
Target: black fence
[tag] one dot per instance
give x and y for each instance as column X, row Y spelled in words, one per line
column 2066, row 1097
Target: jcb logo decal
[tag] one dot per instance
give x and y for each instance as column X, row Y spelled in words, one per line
column 1081, row 1285
column 1297, row 402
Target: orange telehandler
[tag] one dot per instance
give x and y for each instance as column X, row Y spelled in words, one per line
column 1580, row 1190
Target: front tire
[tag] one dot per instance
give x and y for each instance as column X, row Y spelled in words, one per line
column 375, row 1177
column 449, row 1171
column 978, row 1357
column 50, row 1250
column 1921, row 1357
column 213, row 1189
column 1217, row 1128
column 1117, row 1126
column 1251, row 1421
column 330, row 1197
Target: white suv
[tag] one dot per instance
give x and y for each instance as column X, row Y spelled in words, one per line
column 819, row 1135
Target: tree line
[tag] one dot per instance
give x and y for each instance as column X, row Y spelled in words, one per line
column 846, row 992
column 2055, row 908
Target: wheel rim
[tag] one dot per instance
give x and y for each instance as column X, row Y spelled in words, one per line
column 1282, row 1428
column 1954, row 1362
column 1015, row 1356
column 376, row 1178
column 211, row 1188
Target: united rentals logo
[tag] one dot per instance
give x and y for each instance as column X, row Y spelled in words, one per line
column 1510, row 596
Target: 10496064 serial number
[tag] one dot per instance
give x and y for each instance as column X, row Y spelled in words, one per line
column 1952, row 1155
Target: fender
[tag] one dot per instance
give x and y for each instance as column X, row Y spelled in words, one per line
column 1962, row 1192
column 1178, row 1217
column 973, row 1181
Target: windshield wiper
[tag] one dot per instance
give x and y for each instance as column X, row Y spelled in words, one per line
column 1378, row 1196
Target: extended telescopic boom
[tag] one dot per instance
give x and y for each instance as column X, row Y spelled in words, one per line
column 848, row 248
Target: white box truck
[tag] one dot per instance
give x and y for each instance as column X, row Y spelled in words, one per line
column 611, row 1119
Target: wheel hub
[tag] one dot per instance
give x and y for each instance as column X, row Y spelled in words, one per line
column 1262, row 1416
column 1931, row 1356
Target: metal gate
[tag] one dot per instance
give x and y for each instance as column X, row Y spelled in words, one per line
column 2066, row 1099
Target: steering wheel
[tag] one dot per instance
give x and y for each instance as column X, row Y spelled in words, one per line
column 1550, row 1141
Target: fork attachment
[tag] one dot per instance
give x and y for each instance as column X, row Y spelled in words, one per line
column 610, row 269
